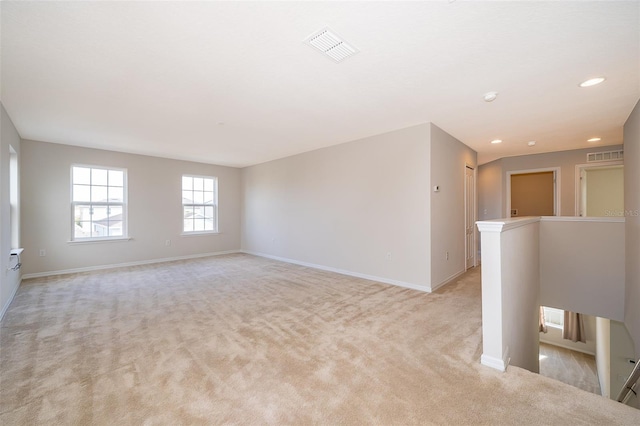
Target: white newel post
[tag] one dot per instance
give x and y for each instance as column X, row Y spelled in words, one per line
column 510, row 292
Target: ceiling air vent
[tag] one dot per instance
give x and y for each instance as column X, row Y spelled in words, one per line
column 594, row 157
column 329, row 43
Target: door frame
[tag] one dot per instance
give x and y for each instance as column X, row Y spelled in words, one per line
column 474, row 259
column 556, row 187
column 578, row 179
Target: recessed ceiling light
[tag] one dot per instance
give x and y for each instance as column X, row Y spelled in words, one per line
column 531, row 143
column 490, row 96
column 594, row 140
column 592, row 82
column 495, row 141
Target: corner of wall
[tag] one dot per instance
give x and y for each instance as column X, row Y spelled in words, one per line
column 448, row 159
column 323, row 207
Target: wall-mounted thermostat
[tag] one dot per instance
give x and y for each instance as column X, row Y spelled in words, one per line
column 436, row 188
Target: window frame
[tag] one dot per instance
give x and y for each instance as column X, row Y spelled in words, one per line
column 216, row 229
column 560, row 312
column 123, row 205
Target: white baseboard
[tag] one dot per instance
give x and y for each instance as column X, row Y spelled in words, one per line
column 426, row 289
column 10, row 299
column 447, row 280
column 496, row 363
column 560, row 345
column 122, row 265
column 342, row 271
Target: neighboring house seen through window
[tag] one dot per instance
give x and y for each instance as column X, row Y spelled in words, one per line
column 98, row 199
column 199, row 204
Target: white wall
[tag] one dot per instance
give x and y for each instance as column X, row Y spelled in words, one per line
column 346, row 207
column 9, row 280
column 603, row 355
column 632, row 225
column 154, row 209
column 448, row 159
column 521, row 294
column 582, row 265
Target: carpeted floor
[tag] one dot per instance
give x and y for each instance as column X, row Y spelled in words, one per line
column 238, row 339
column 571, row 367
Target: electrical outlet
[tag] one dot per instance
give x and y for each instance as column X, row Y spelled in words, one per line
column 388, row 255
column 43, row 253
column 167, row 243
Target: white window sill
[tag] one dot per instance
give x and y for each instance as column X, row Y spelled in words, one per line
column 559, row 327
column 101, row 240
column 199, row 233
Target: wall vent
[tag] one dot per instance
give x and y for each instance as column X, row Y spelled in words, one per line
column 594, row 157
column 332, row 45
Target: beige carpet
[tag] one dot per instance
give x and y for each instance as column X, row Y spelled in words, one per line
column 243, row 340
column 572, row 367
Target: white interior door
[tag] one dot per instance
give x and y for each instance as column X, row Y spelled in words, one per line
column 470, row 217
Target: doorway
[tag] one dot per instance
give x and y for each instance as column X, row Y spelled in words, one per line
column 533, row 193
column 469, row 216
column 600, row 190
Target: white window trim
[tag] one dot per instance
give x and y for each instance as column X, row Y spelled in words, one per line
column 184, row 233
column 100, row 240
column 551, row 324
column 197, row 233
column 125, row 211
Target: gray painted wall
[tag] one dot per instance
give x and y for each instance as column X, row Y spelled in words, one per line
column 359, row 207
column 346, row 207
column 365, row 207
column 492, row 197
column 154, row 209
column 491, row 204
column 448, row 159
column 632, row 225
column 582, row 265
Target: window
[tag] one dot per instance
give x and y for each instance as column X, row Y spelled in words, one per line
column 200, row 204
column 554, row 317
column 14, row 198
column 98, row 200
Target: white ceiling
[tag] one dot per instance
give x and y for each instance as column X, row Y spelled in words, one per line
column 233, row 83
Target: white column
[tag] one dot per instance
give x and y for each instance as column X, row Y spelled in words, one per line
column 510, row 292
